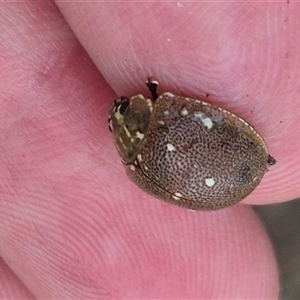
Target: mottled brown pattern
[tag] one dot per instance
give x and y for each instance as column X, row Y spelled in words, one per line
column 188, row 141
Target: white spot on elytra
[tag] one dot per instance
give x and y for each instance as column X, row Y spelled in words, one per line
column 139, row 135
column 171, row 147
column 184, row 112
column 205, row 120
column 161, row 122
column 209, row 181
column 139, row 157
column 132, row 168
column 178, row 194
column 146, row 168
column 166, row 112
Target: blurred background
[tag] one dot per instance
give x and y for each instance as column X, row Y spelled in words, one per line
column 282, row 222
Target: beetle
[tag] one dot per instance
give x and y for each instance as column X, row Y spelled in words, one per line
column 186, row 151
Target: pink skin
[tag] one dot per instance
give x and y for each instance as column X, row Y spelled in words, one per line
column 71, row 224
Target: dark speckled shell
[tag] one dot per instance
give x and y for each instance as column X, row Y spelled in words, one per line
column 196, row 155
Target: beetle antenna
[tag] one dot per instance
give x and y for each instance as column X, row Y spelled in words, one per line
column 152, row 86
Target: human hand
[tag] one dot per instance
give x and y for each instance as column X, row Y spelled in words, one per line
column 72, row 224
